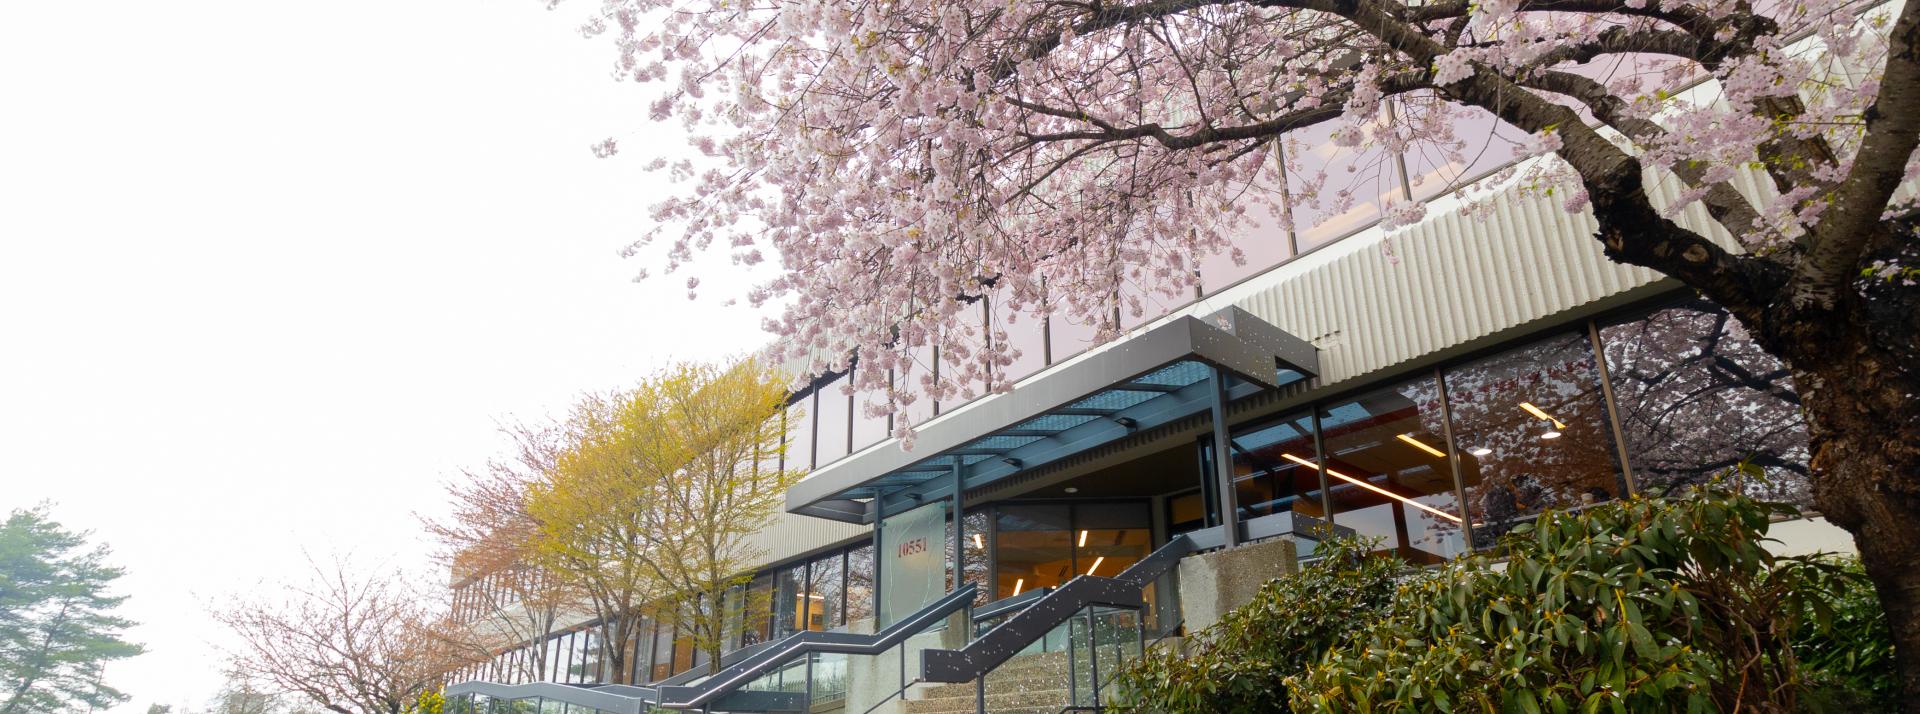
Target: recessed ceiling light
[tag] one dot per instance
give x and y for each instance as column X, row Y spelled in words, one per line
column 1482, row 451
column 1073, row 489
column 1550, row 435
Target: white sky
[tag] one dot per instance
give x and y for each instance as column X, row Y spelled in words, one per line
column 269, row 271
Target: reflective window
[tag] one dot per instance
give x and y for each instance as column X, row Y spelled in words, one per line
column 1531, row 427
column 860, row 584
column 1186, row 512
column 1349, row 195
column 789, row 587
column 1021, row 332
column 831, row 443
column 1071, row 334
column 1272, row 468
column 975, row 548
column 638, row 649
column 1696, row 396
column 868, row 430
column 758, row 616
column 1388, row 472
column 1034, row 548
column 586, row 658
column 799, row 453
column 824, row 604
column 918, row 381
column 1109, row 537
column 1262, row 239
column 662, row 651
column 1490, row 145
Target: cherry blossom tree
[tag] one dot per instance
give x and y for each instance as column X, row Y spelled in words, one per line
column 906, row 160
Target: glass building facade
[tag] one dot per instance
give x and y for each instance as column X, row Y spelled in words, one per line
column 1432, row 463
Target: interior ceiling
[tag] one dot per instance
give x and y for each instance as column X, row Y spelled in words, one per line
column 1165, row 471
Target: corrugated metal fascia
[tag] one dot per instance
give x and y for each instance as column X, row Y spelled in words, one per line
column 789, row 535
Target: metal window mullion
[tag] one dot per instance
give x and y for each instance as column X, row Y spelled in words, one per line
column 1453, row 458
column 1320, row 457
column 1613, row 412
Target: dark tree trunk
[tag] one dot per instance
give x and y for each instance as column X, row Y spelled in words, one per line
column 1865, row 432
column 1857, row 369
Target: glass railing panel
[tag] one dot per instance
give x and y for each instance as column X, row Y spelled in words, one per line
column 1117, row 639
column 1040, row 678
column 827, row 691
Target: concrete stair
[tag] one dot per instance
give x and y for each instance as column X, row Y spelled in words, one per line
column 1027, row 684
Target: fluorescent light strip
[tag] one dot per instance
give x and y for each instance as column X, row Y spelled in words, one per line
column 1422, row 445
column 1018, row 585
column 1531, row 409
column 1096, row 564
column 1375, row 489
column 978, row 542
column 1083, row 539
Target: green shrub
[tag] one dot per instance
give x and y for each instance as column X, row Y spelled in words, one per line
column 1849, row 662
column 1641, row 605
column 1667, row 604
column 1239, row 664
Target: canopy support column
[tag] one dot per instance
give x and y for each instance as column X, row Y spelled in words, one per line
column 1223, row 460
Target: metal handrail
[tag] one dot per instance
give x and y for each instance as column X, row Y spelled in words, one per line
column 1007, row 639
column 757, row 661
column 594, row 697
column 807, row 643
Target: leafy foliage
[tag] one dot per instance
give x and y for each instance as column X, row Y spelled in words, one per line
column 653, row 497
column 56, row 626
column 1640, row 605
column 1238, row 664
column 1849, row 661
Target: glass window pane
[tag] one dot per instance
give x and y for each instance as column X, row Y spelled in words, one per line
column 586, row 663
column 790, row 585
column 799, row 453
column 1268, row 472
column 1034, row 547
column 1072, row 335
column 868, row 430
column 832, row 424
column 1696, row 396
column 1388, row 473
column 825, row 590
column 979, row 524
column 734, row 608
column 1110, row 537
column 662, row 651
column 1490, row 144
column 1532, row 432
column 638, row 649
column 1262, row 238
column 758, row 616
column 1021, row 332
column 1350, row 193
column 860, row 585
column 917, row 380
column 1186, row 512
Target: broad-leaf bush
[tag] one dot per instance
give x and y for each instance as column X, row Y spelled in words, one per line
column 1239, row 663
column 1644, row 605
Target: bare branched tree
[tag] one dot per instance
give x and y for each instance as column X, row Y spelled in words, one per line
column 351, row 643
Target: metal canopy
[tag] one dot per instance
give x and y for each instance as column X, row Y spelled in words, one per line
column 1141, row 382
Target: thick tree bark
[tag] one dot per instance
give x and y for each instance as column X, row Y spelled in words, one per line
column 1856, row 365
column 1863, row 407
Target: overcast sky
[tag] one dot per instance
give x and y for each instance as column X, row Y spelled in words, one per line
column 271, row 271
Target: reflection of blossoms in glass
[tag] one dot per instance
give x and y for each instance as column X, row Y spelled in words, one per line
column 1697, row 396
column 1516, row 463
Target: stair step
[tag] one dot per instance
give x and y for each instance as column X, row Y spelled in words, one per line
column 1021, row 702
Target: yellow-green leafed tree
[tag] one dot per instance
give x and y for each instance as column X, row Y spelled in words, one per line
column 651, row 505
column 729, row 488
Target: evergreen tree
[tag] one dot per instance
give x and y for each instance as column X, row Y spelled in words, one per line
column 56, row 627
